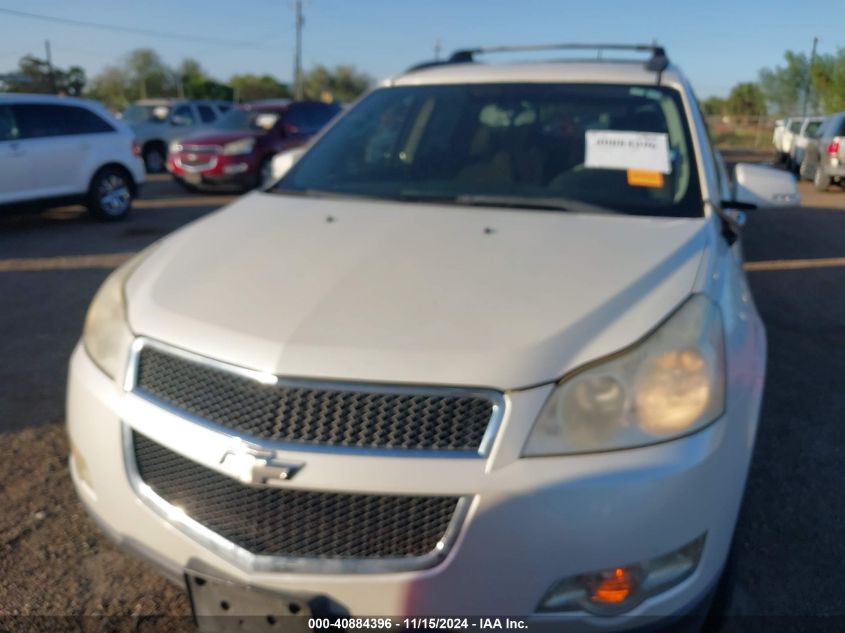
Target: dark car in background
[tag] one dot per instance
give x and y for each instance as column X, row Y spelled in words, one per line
column 238, row 150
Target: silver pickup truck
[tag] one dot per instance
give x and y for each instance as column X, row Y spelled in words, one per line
column 824, row 156
column 156, row 122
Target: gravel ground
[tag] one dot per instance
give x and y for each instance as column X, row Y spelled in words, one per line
column 54, row 561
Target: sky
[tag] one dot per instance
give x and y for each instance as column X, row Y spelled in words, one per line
column 717, row 43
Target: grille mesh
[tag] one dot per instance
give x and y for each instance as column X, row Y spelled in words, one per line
column 295, row 523
column 312, row 415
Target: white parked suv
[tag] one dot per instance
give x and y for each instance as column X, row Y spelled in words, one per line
column 60, row 150
column 487, row 348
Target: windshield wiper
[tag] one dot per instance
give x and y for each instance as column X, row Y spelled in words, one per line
column 529, row 202
column 474, row 200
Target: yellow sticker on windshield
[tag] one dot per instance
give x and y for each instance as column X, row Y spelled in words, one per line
column 644, row 178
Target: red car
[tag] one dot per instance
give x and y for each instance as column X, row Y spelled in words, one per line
column 239, row 148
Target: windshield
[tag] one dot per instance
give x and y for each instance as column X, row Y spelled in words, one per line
column 605, row 148
column 241, row 119
column 146, row 113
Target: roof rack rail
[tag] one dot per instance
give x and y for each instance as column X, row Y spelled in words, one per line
column 658, row 62
column 429, row 64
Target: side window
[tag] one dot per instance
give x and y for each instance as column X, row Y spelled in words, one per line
column 37, row 120
column 309, row 118
column 83, row 121
column 323, row 114
column 224, row 107
column 183, row 115
column 206, row 113
column 8, row 125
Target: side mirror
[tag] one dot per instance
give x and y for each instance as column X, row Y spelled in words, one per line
column 283, row 161
column 179, row 120
column 757, row 186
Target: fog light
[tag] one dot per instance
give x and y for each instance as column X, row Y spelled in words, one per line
column 235, row 168
column 614, row 586
column 620, row 589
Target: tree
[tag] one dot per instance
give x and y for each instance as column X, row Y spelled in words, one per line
column 190, row 77
column 746, row 99
column 713, row 106
column 193, row 82
column 112, row 87
column 150, row 74
column 249, row 87
column 343, row 84
column 36, row 75
column 783, row 86
column 829, row 81
column 74, row 81
column 143, row 74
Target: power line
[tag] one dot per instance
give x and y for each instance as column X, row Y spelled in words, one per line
column 128, row 29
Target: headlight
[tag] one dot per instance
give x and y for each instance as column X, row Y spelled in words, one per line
column 243, row 146
column 174, row 147
column 106, row 335
column 669, row 384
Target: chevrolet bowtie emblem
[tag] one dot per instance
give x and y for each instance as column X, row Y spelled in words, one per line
column 259, row 467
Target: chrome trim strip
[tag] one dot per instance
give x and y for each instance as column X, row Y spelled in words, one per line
column 496, row 398
column 201, row 149
column 247, row 561
column 212, row 162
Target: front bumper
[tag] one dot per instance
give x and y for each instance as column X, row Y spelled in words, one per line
column 215, row 169
column 531, row 521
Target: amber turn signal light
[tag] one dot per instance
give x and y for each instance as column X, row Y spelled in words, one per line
column 613, row 586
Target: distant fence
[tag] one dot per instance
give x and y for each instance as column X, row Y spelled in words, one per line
column 741, row 131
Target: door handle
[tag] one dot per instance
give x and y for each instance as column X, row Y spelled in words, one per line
column 16, row 149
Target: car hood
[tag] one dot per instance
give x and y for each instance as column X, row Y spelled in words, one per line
column 414, row 293
column 218, row 137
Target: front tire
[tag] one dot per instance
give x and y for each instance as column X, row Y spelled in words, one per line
column 110, row 195
column 820, row 181
column 804, row 171
column 265, row 172
column 154, row 158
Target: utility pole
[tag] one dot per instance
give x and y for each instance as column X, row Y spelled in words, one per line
column 297, row 64
column 50, row 66
column 809, row 77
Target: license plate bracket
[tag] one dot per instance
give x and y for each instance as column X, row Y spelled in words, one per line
column 221, row 606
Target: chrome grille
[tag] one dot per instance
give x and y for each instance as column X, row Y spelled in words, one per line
column 304, row 412
column 196, row 161
column 201, row 149
column 297, row 523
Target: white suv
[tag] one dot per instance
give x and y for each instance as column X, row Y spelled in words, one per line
column 487, row 348
column 57, row 150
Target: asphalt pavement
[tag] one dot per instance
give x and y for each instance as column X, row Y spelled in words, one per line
column 790, row 542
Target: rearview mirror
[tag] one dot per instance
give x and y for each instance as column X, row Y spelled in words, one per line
column 283, row 161
column 757, row 186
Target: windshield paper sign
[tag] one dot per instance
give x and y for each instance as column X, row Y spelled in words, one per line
column 609, row 149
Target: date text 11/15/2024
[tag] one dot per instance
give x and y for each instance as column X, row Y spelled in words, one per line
column 413, row 624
